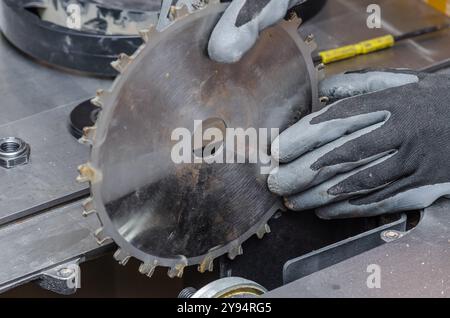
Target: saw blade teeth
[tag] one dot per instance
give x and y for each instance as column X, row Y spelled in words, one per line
column 122, row 257
column 309, row 38
column 101, row 237
column 235, row 252
column 148, row 269
column 98, row 100
column 311, row 43
column 265, row 229
column 88, row 207
column 206, row 265
column 146, row 33
column 121, row 63
column 320, row 72
column 293, row 21
column 178, row 12
column 86, row 173
column 92, row 171
column 177, row 270
column 88, row 135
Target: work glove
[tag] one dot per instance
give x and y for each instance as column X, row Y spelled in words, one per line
column 382, row 147
column 239, row 28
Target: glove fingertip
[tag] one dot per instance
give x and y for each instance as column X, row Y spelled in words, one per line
column 275, row 149
column 228, row 43
column 274, row 184
column 325, row 213
column 223, row 49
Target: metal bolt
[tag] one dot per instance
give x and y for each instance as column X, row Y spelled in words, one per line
column 66, row 272
column 187, row 292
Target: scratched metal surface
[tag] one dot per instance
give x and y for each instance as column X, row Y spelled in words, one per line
column 35, row 104
column 45, row 241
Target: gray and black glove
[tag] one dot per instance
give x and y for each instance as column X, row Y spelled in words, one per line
column 383, row 147
column 239, row 28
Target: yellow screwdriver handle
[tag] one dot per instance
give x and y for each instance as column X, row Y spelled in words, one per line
column 349, row 51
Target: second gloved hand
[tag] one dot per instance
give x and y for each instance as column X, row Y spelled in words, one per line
column 383, row 147
column 240, row 25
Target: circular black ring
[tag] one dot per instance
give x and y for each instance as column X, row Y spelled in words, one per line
column 63, row 47
column 83, row 115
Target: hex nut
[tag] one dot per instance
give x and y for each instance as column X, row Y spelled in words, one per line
column 14, row 152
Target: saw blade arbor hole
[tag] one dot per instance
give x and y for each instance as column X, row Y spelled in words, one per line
column 209, row 148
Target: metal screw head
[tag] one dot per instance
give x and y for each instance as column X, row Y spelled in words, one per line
column 65, row 272
column 390, row 235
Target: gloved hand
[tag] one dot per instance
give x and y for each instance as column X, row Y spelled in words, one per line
column 383, row 147
column 240, row 25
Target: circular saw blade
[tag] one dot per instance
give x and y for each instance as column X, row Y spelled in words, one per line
column 175, row 215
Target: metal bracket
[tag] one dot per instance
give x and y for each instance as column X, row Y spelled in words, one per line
column 338, row 252
column 64, row 279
